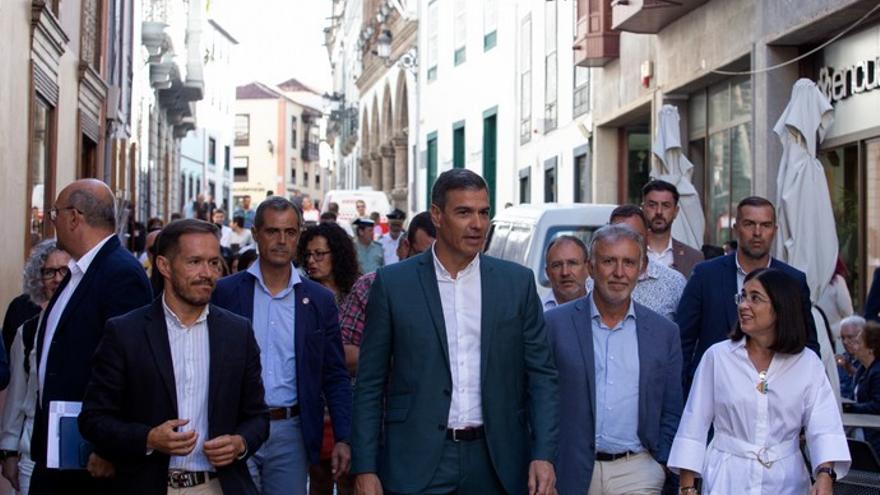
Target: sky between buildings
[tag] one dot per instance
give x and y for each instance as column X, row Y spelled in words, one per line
column 278, row 39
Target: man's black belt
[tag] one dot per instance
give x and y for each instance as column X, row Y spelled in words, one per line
column 278, row 413
column 605, row 457
column 189, row 479
column 466, row 434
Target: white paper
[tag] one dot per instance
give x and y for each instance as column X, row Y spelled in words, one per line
column 58, row 409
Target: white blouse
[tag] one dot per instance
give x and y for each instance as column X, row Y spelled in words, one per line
column 755, row 447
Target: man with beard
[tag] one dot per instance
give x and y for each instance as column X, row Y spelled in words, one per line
column 104, row 281
column 567, row 269
column 175, row 400
column 707, row 311
column 296, row 324
column 660, row 204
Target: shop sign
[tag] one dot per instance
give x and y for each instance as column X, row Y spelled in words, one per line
column 840, row 83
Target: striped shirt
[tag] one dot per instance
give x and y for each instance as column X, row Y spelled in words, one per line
column 191, row 356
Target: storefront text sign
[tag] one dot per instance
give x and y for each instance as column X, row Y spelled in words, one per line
column 840, row 83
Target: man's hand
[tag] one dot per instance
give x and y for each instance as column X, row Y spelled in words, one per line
column 10, row 471
column 367, row 484
column 99, row 467
column 166, row 439
column 225, row 449
column 340, row 459
column 542, row 478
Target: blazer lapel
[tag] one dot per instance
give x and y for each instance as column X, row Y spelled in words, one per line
column 487, row 313
column 91, row 274
column 428, row 280
column 300, row 327
column 157, row 338
column 643, row 336
column 582, row 322
column 41, row 332
column 245, row 298
column 216, row 347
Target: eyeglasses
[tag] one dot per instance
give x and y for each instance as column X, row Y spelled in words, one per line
column 318, row 255
column 752, row 299
column 570, row 264
column 53, row 212
column 50, row 273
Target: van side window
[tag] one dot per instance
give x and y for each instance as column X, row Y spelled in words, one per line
column 497, row 239
column 517, row 248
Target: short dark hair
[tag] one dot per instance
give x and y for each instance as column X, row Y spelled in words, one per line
column 454, row 179
column 785, row 297
column 218, row 210
column 660, row 185
column 168, row 241
column 628, row 211
column 98, row 211
column 238, row 220
column 757, row 202
column 328, row 216
column 871, row 334
column 275, row 203
column 422, row 222
column 568, row 238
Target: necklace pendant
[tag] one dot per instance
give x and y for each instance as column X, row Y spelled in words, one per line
column 762, row 386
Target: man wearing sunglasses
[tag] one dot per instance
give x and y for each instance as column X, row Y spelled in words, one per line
column 104, row 281
column 296, row 325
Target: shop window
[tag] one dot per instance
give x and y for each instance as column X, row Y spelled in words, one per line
column 842, row 171
column 720, row 146
column 638, row 162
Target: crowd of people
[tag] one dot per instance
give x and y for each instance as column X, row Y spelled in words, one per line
column 280, row 351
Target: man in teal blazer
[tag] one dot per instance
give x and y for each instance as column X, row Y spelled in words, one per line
column 456, row 388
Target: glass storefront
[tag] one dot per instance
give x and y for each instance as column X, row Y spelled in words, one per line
column 720, row 147
column 638, row 162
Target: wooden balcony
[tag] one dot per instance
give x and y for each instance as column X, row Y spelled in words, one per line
column 596, row 43
column 649, row 16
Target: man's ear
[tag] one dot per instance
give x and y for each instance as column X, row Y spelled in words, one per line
column 164, row 265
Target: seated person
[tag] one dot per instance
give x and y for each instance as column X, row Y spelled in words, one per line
column 868, row 380
column 848, row 366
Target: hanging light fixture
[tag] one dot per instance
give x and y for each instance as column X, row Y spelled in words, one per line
column 383, row 45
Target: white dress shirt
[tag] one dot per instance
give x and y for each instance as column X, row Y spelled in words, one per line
column 389, row 247
column 461, row 298
column 741, row 274
column 665, row 257
column 549, row 301
column 191, row 357
column 78, row 270
column 21, row 400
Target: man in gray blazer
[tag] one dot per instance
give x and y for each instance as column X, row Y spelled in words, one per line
column 619, row 366
column 660, row 204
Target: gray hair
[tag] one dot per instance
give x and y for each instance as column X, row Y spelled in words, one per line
column 33, row 284
column 615, row 232
column 853, row 321
column 98, row 212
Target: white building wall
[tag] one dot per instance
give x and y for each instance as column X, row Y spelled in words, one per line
column 262, row 165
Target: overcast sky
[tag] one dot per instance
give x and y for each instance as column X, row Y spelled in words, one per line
column 278, row 39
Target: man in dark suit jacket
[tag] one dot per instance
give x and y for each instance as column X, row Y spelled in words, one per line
column 175, row 399
column 660, row 204
column 872, row 302
column 297, row 321
column 104, row 281
column 619, row 369
column 707, row 312
column 456, row 388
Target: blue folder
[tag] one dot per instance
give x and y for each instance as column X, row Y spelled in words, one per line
column 74, row 450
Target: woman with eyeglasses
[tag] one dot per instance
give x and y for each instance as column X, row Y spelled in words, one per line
column 758, row 390
column 867, row 379
column 327, row 255
column 44, row 271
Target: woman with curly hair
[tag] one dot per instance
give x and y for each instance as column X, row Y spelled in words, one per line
column 327, row 255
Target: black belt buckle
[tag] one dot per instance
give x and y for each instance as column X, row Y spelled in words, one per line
column 185, row 479
column 465, row 434
column 605, row 457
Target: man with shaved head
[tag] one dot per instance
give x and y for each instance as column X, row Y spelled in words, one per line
column 105, row 280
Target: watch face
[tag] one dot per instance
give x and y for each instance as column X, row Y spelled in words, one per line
column 829, row 471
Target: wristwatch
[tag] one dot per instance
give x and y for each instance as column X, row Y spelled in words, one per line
column 6, row 454
column 827, row 470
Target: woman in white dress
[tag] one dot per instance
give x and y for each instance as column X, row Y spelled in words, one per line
column 758, row 390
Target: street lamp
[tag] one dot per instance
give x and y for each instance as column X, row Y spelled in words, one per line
column 383, row 45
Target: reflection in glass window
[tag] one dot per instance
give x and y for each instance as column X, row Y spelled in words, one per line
column 842, row 171
column 40, row 169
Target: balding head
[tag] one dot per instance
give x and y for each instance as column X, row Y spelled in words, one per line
column 85, row 214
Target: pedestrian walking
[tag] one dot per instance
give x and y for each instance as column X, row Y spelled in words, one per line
column 296, row 324
column 619, row 371
column 455, row 375
column 175, row 397
column 390, row 241
column 567, row 269
column 104, row 281
column 370, row 254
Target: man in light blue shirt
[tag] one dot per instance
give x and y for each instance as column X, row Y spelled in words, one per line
column 619, row 365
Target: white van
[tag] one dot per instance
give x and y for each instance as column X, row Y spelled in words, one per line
column 346, row 199
column 521, row 233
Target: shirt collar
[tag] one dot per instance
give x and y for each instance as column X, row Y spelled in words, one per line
column 169, row 313
column 84, row 261
column 739, row 267
column 549, row 298
column 255, row 270
column 441, row 270
column 736, row 345
column 653, row 271
column 666, row 250
column 594, row 311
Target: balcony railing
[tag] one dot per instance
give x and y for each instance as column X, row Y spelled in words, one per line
column 310, row 151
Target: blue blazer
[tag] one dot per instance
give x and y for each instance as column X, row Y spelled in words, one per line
column 321, row 374
column 707, row 313
column 569, row 328
column 114, row 284
column 132, row 390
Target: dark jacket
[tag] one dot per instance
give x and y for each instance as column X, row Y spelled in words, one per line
column 872, row 302
column 114, row 284
column 321, row 374
column 133, row 390
column 707, row 312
